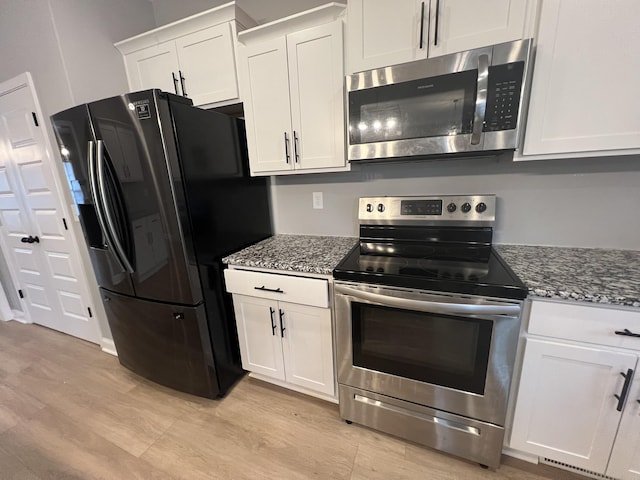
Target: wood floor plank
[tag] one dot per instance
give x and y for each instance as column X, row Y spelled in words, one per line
column 54, row 446
column 11, row 468
column 69, row 411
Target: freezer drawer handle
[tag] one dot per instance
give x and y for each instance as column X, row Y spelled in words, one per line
column 625, row 389
column 627, row 333
column 265, row 289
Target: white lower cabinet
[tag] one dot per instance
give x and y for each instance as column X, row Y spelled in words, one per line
column 578, row 403
column 283, row 340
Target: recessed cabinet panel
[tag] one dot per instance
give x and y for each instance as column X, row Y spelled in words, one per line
column 465, row 25
column 317, row 100
column 307, row 347
column 259, row 335
column 208, row 65
column 153, row 68
column 264, row 81
column 386, row 33
column 625, row 458
column 586, row 73
column 566, row 409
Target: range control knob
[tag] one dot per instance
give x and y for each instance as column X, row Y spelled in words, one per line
column 481, row 207
column 451, row 207
column 380, row 207
column 369, row 208
column 466, row 207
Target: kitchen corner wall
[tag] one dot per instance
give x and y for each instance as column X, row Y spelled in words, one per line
column 592, row 202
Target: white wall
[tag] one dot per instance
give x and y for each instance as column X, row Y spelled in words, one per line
column 87, row 30
column 582, row 203
column 262, row 11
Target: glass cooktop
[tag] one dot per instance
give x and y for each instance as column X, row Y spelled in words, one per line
column 487, row 276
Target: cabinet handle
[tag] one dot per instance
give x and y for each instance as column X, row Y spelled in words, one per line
column 265, row 289
column 286, row 147
column 273, row 322
column 184, row 91
column 295, row 146
column 175, row 82
column 625, row 389
column 435, row 31
column 627, row 333
column 282, row 327
column 421, row 24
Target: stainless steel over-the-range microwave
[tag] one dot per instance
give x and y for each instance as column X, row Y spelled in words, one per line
column 469, row 102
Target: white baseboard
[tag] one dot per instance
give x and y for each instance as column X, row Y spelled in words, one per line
column 107, row 346
column 527, row 457
column 295, row 388
column 19, row 316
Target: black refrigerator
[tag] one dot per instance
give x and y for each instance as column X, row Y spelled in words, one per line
column 163, row 192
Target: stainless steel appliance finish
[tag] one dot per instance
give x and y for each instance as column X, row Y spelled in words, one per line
column 504, row 316
column 427, row 324
column 468, row 102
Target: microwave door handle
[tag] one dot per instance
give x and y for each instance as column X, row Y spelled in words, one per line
column 431, row 307
column 481, row 99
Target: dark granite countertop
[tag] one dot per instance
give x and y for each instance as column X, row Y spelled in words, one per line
column 603, row 276
column 596, row 275
column 296, row 253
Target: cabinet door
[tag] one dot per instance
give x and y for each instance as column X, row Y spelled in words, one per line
column 566, row 409
column 317, row 100
column 307, row 347
column 464, row 25
column 586, row 72
column 208, row 65
column 625, row 459
column 383, row 33
column 153, row 68
column 264, row 85
column 259, row 335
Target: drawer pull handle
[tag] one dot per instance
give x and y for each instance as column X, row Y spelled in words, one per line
column 273, row 322
column 625, row 389
column 282, row 327
column 627, row 333
column 265, row 289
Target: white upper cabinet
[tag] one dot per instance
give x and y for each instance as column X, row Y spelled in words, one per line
column 194, row 57
column 292, row 84
column 383, row 33
column 583, row 96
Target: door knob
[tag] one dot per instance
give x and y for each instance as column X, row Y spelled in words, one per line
column 30, row 239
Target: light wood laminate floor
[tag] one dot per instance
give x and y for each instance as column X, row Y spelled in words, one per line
column 70, row 411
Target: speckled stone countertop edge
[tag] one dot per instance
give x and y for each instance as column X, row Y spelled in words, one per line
column 589, row 275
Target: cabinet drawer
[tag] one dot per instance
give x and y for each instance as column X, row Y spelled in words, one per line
column 307, row 291
column 584, row 323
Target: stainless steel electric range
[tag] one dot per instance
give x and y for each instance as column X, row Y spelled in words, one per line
column 427, row 324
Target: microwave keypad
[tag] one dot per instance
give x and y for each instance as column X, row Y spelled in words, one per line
column 505, row 85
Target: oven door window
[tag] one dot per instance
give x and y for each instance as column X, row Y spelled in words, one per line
column 433, row 107
column 444, row 350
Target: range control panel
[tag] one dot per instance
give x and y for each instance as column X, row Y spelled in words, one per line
column 466, row 209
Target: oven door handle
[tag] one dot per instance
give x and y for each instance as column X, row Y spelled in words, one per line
column 429, row 306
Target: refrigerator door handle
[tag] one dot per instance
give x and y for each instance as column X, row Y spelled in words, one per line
column 120, row 253
column 93, row 187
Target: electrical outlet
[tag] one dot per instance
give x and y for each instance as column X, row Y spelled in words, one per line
column 317, row 200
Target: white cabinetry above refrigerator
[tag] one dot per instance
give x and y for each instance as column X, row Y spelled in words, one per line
column 194, row 57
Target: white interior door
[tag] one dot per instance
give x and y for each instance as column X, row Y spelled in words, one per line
column 48, row 271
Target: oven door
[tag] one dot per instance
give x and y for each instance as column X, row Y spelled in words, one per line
column 447, row 352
